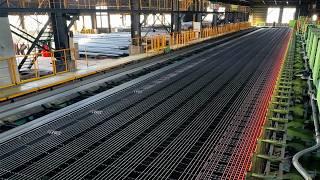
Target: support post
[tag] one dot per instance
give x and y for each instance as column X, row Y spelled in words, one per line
column 135, row 22
column 175, row 27
column 197, row 7
column 214, row 20
column 226, row 18
column 109, row 23
column 94, row 22
column 61, row 38
column 280, row 16
column 178, row 25
column 135, row 47
column 8, row 75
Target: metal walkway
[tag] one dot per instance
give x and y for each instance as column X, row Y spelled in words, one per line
column 184, row 121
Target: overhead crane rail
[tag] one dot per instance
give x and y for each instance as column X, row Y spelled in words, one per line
column 168, row 124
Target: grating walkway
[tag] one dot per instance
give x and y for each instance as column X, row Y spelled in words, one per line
column 188, row 122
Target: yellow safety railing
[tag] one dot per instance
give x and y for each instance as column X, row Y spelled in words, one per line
column 34, row 67
column 37, row 66
column 157, row 43
column 64, row 60
column 8, row 75
column 182, row 38
column 87, row 31
column 224, row 29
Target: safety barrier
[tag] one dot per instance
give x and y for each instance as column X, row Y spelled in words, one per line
column 155, row 43
column 31, row 67
column 36, row 66
column 88, row 31
column 159, row 43
column 8, row 76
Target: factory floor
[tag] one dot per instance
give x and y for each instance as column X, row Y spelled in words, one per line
column 84, row 68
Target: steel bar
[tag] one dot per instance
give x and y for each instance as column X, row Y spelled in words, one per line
column 185, row 121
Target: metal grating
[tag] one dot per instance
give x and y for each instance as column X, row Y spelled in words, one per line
column 183, row 124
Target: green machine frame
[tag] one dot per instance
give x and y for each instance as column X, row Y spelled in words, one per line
column 313, row 46
column 312, row 36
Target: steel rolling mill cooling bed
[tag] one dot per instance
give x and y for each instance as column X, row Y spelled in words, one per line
column 196, row 118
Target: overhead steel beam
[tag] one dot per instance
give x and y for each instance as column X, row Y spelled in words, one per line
column 83, row 11
column 19, row 35
column 21, row 31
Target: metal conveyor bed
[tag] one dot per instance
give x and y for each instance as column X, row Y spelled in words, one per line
column 184, row 121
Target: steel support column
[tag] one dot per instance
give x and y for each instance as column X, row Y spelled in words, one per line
column 94, row 21
column 214, row 20
column 135, row 23
column 243, row 16
column 197, row 6
column 226, row 18
column 280, row 15
column 7, row 76
column 109, row 23
column 175, row 20
column 60, row 32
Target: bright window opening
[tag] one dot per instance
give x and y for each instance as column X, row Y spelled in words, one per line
column 102, row 17
column 273, row 15
column 85, row 22
column 288, row 14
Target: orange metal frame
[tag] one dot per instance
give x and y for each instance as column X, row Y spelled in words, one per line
column 12, row 61
column 157, row 43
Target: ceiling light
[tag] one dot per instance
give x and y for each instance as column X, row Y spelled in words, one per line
column 314, row 17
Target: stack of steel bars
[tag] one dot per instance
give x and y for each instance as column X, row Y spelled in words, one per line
column 193, row 120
